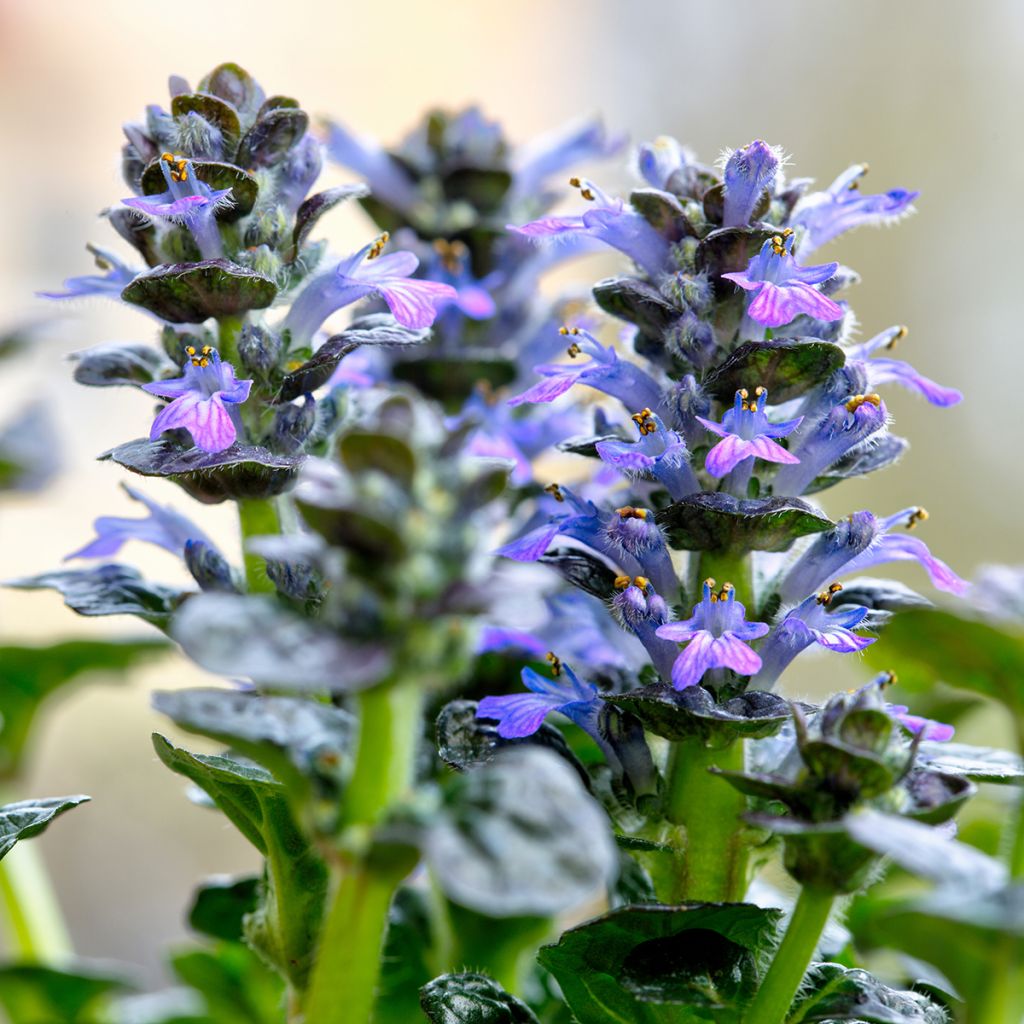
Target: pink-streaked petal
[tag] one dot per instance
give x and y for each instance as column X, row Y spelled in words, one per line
column 895, row 371
column 532, row 545
column 897, row 548
column 623, row 456
column 412, row 302
column 814, row 303
column 475, row 302
column 548, row 389
column 547, row 226
column 715, row 428
column 393, row 264
column 840, row 640
column 729, row 651
column 770, row 451
column 929, row 729
column 744, row 281
column 693, row 661
column 174, row 388
column 212, row 428
column 727, row 455
column 179, row 413
column 774, row 306
column 680, row 631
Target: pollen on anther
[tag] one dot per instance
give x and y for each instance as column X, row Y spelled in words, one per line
column 621, row 582
column 555, row 491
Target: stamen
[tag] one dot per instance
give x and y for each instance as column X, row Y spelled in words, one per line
column 710, row 582
column 642, row 582
column 644, row 420
column 569, row 330
column 555, row 491
column 628, row 512
column 890, row 679
column 917, row 515
column 621, row 582
column 585, row 192
column 378, row 246
column 901, row 333
column 854, row 403
column 825, row 597
column 777, row 246
column 574, row 350
column 555, row 662
column 167, row 158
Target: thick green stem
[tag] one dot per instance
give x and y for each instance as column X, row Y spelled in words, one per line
column 35, row 927
column 774, row 998
column 1015, row 846
column 257, row 517
column 229, row 328
column 347, row 969
column 706, row 813
column 725, row 567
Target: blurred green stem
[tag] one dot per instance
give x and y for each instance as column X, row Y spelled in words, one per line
column 35, row 927
column 774, row 998
column 347, row 970
column 257, row 517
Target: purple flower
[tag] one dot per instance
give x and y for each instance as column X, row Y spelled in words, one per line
column 783, row 289
column 162, row 526
column 821, row 216
column 659, row 452
column 610, row 221
column 200, row 398
column 388, row 180
column 657, row 161
column 715, row 637
column 604, row 371
column 451, row 265
column 746, row 433
column 187, row 201
column 117, row 275
column 895, row 371
column 413, row 302
column 642, row 610
column 927, row 728
column 550, row 154
column 749, row 172
column 635, row 537
column 860, row 542
column 579, row 520
column 521, row 714
column 811, row 622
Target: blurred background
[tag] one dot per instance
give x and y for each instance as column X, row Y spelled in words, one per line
column 927, row 93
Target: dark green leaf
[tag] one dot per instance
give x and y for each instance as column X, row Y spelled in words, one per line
column 406, row 963
column 662, row 211
column 275, row 132
column 310, row 212
column 627, row 965
column 482, row 188
column 34, row 994
column 258, row 638
column 728, row 250
column 219, row 113
column 787, row 368
column 582, row 569
column 234, row 85
column 31, row 674
column 982, row 764
column 28, row 818
column 865, row 459
column 108, row 365
column 496, row 852
column 189, row 293
column 107, row 590
column 472, row 999
column 219, row 906
column 236, row 986
column 452, row 381
column 720, row 522
column 636, row 302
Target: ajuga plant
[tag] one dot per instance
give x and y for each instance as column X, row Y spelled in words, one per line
column 442, row 866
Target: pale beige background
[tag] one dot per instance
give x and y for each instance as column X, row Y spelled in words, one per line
column 929, row 92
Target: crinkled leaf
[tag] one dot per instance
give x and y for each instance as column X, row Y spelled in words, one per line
column 316, row 206
column 496, row 852
column 221, row 114
column 31, row 674
column 637, row 302
column 662, row 211
column 694, row 712
column 583, row 570
column 107, row 365
column 292, row 737
column 982, row 764
column 27, row 818
column 220, row 904
column 639, row 963
column 108, row 590
column 276, row 131
column 77, row 994
column 234, row 85
column 864, row 459
column 258, row 638
column 472, row 999
column 787, row 368
column 879, row 595
column 720, row 522
column 729, row 250
column 831, row 992
column 189, row 293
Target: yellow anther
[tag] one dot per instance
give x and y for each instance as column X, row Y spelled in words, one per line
column 378, row 246
column 709, row 582
column 574, row 182
column 645, row 422
column 621, row 582
column 207, row 350
column 786, row 232
column 555, row 491
column 834, row 588
column 890, row 679
column 743, row 393
column 726, row 587
column 918, row 515
column 901, row 332
column 856, row 401
column 587, row 194
column 759, row 391
column 642, row 582
column 574, row 350
column 563, row 330
column 204, row 361
column 629, row 512
column 168, row 158
column 555, row 662
column 190, row 350
column 826, row 595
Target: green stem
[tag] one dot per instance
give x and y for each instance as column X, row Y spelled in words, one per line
column 228, row 330
column 347, row 970
column 257, row 517
column 707, row 814
column 774, row 998
column 725, row 567
column 1015, row 826
column 35, row 927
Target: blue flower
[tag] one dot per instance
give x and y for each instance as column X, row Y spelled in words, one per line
column 642, row 610
column 659, row 452
column 116, row 276
column 187, row 201
column 200, row 399
column 716, row 637
column 895, row 371
column 610, row 221
column 749, row 173
column 927, row 728
column 783, row 290
column 635, row 538
column 604, row 371
column 162, row 526
column 388, row 180
column 821, row 216
column 451, row 266
column 581, row 141
column 860, row 542
column 747, row 433
column 413, row 302
column 580, row 520
column 811, row 622
column 521, row 714
column 300, row 169
column 659, row 160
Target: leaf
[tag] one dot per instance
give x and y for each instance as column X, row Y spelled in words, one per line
column 241, row 471
column 981, row 764
column 787, row 368
column 258, row 638
column 831, row 992
column 729, row 250
column 720, row 522
column 626, row 965
column 236, row 986
column 405, row 964
column 31, row 674
column 582, row 569
column 234, row 85
column 219, row 113
column 107, row 590
column 876, row 454
column 495, row 852
column 28, row 818
column 219, row 906
column 276, row 131
column 472, row 999
column 926, row 646
column 310, row 212
column 35, row 994
column 189, row 293
column 110, row 365
column 452, row 381
column 694, row 713
column 294, row 738
column 638, row 303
